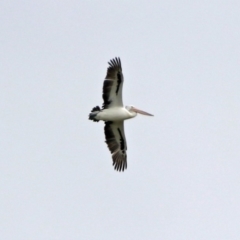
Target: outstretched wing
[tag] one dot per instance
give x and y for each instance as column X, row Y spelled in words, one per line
column 112, row 86
column 116, row 141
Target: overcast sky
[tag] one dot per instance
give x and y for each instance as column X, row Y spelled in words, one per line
column 181, row 62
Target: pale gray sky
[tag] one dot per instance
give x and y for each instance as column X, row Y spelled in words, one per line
column 181, row 63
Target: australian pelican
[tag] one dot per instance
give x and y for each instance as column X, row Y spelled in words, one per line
column 113, row 113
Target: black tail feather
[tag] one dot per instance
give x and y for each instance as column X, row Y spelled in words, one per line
column 97, row 108
column 94, row 113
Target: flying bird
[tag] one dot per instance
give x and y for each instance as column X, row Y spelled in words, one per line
column 113, row 113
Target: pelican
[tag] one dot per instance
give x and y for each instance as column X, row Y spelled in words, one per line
column 113, row 113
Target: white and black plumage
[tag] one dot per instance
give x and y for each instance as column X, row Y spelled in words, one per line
column 113, row 113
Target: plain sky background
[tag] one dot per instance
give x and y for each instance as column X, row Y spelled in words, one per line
column 181, row 62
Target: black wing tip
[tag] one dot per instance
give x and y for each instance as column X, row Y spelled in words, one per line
column 120, row 164
column 120, row 167
column 115, row 62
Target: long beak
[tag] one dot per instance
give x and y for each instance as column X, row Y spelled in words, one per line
column 141, row 112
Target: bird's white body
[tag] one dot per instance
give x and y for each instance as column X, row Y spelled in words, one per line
column 113, row 113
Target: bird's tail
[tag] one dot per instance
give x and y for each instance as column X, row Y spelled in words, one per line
column 94, row 113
